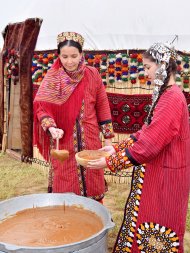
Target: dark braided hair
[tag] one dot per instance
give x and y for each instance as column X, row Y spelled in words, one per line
column 170, row 69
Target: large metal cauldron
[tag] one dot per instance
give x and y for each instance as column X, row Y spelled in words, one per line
column 94, row 244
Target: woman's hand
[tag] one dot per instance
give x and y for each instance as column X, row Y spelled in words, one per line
column 97, row 164
column 56, row 133
column 101, row 163
column 108, row 149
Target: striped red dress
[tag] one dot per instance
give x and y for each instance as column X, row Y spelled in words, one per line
column 155, row 213
column 93, row 117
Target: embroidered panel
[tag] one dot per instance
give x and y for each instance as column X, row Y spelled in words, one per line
column 107, row 130
column 155, row 238
column 127, row 232
column 124, row 144
column 79, row 145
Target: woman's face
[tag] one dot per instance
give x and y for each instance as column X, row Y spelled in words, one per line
column 70, row 57
column 150, row 69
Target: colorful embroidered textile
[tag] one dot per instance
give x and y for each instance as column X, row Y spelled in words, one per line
column 155, row 238
column 118, row 161
column 107, row 129
column 70, row 36
column 126, row 235
column 128, row 111
column 124, row 144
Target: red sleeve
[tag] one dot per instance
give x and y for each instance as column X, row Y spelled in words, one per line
column 164, row 126
column 138, row 133
column 102, row 103
column 102, row 108
column 44, row 118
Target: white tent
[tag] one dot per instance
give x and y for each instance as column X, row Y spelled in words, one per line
column 105, row 24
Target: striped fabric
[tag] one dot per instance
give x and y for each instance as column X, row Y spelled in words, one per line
column 85, row 134
column 164, row 146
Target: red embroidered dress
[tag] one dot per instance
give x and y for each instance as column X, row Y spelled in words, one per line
column 155, row 213
column 82, row 116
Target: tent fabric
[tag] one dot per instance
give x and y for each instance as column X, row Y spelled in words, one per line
column 105, row 25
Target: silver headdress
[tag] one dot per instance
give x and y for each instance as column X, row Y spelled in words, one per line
column 161, row 52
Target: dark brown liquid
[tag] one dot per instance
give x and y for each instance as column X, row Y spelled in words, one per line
column 49, row 226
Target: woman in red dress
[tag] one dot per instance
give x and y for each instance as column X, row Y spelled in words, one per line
column 72, row 105
column 156, row 209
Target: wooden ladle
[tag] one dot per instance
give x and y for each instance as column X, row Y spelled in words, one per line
column 58, row 154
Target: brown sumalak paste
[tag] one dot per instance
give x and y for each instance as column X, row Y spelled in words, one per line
column 49, row 226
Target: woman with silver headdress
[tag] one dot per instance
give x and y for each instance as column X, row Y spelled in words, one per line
column 155, row 212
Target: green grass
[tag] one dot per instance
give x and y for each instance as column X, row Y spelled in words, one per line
column 188, row 218
column 18, row 178
column 115, row 200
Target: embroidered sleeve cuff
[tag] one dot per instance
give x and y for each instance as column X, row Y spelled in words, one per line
column 132, row 160
column 124, row 144
column 47, row 122
column 118, row 161
column 107, row 130
column 133, row 137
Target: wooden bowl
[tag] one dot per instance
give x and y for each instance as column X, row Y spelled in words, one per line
column 83, row 157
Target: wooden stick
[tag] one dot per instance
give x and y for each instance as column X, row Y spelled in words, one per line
column 5, row 127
